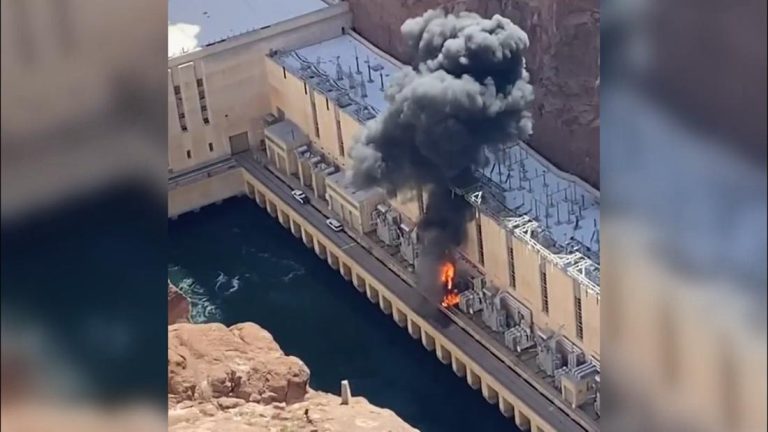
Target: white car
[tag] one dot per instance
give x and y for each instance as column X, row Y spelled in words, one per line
column 334, row 225
column 300, row 196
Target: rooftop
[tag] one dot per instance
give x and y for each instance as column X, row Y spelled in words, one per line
column 558, row 216
column 341, row 182
column 193, row 24
column 289, row 135
column 346, row 71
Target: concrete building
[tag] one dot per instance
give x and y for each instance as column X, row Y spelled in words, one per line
column 356, row 207
column 330, row 89
column 217, row 86
column 284, row 143
column 301, row 86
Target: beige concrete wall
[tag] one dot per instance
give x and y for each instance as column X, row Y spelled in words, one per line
column 710, row 373
column 527, row 276
column 205, row 191
column 350, row 131
column 496, row 252
column 469, row 248
column 590, row 304
column 359, row 214
column 286, row 93
column 562, row 313
column 237, row 84
column 328, row 138
column 560, row 287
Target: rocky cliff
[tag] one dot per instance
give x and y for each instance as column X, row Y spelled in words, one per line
column 178, row 306
column 238, row 379
column 563, row 60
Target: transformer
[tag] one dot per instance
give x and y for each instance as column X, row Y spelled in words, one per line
column 387, row 221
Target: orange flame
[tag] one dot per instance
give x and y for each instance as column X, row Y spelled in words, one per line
column 451, row 297
column 446, row 275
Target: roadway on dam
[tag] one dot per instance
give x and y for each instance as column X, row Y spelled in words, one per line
column 417, row 301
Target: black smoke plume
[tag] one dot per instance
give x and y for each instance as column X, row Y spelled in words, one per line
column 465, row 94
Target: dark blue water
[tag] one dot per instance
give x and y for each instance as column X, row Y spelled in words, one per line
column 238, row 264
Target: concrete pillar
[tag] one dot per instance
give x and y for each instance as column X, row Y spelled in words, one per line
column 399, row 317
column 346, row 392
column 282, row 216
column 271, row 208
column 295, row 229
column 459, row 368
column 309, row 241
column 506, row 408
column 333, row 260
column 473, row 379
column 346, row 271
column 427, row 340
column 413, row 329
column 373, row 295
column 521, row 420
column 489, row 393
column 320, row 249
column 385, row 304
column 261, row 199
column 442, row 353
column 360, row 283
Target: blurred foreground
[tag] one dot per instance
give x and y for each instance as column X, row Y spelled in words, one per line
column 83, row 215
column 684, row 212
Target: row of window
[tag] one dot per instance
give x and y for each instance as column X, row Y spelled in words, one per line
column 480, row 252
column 201, row 99
column 210, row 149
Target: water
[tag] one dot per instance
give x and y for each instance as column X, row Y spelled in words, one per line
column 238, row 264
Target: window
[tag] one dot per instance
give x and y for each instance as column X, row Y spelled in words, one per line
column 210, row 146
column 176, row 90
column 327, row 105
column 314, row 113
column 339, row 137
column 544, row 289
column 479, row 230
column 512, row 277
column 579, row 322
column 285, row 76
column 203, row 103
column 189, row 154
column 305, row 89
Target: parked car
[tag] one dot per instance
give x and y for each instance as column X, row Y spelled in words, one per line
column 300, row 196
column 334, row 225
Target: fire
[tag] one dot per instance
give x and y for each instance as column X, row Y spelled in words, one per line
column 446, row 275
column 451, row 297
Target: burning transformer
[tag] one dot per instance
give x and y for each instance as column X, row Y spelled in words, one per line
column 451, row 293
